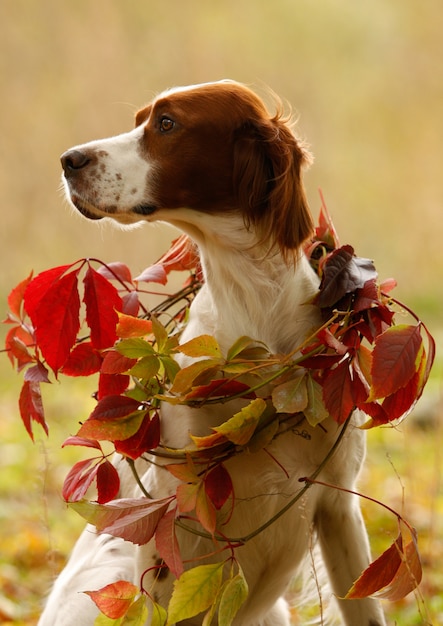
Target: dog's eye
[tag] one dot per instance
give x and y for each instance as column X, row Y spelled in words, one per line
column 166, row 124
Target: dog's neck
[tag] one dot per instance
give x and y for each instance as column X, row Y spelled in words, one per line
column 250, row 290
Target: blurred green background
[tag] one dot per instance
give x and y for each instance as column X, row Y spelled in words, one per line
column 366, row 80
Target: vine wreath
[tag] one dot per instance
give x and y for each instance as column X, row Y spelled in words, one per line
column 360, row 358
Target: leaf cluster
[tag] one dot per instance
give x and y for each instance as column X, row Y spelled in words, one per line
column 360, row 358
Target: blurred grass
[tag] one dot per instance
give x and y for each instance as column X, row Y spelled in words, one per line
column 365, row 79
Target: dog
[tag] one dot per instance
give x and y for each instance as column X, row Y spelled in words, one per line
column 211, row 160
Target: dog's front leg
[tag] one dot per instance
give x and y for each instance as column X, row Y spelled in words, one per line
column 345, row 548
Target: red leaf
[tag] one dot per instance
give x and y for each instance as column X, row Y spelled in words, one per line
column 394, row 574
column 31, row 407
column 79, row 479
column 221, row 387
column 343, row 273
column 167, row 544
column 83, row 360
column 116, row 363
column 379, row 573
column 82, row 441
column 115, row 599
column 55, row 315
column 218, row 485
column 15, row 298
column 146, row 438
column 37, row 373
column 108, row 482
column 16, row 343
column 180, row 256
column 113, row 407
column 132, row 519
column 116, row 270
column 205, row 511
column 394, row 359
column 131, row 303
column 114, row 418
column 112, row 385
column 38, row 287
column 153, row 274
column 102, row 303
column 338, row 392
column 402, row 401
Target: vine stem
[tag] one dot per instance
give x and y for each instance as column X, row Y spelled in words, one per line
column 309, row 481
column 131, row 464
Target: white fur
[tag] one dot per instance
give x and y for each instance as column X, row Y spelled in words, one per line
column 248, row 290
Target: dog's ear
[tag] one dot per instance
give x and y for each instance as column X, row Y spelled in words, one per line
column 267, row 177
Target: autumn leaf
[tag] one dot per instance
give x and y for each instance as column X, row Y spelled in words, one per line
column 102, row 303
column 218, row 485
column 292, row 395
column 83, row 360
column 343, row 273
column 116, row 270
column 130, row 326
column 194, row 592
column 146, row 438
column 116, row 363
column 108, row 482
column 395, row 573
column 132, row 519
column 233, row 596
column 167, row 544
column 198, row 373
column 15, row 297
column 31, row 407
column 338, row 392
column 111, row 385
column 394, row 359
column 114, row 599
column 203, row 345
column 240, row 428
column 135, row 348
column 54, row 309
column 79, row 479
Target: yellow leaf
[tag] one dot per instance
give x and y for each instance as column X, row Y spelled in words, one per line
column 233, row 596
column 194, row 592
column 240, row 428
column 204, row 345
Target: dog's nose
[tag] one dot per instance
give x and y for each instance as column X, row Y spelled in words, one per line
column 74, row 160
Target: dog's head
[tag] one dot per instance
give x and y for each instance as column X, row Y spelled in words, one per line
column 209, row 149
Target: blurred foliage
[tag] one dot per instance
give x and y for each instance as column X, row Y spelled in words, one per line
column 365, row 81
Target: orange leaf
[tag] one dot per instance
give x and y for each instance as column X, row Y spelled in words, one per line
column 394, row 574
column 115, row 599
column 129, row 326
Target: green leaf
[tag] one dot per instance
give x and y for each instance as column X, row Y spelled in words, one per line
column 135, row 348
column 194, row 592
column 146, row 367
column 238, row 346
column 315, row 411
column 171, row 367
column 240, row 428
column 159, row 616
column 160, row 334
column 233, row 596
column 138, row 613
column 291, row 396
column 204, row 345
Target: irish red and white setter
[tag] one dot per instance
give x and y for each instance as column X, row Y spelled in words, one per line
column 212, row 161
